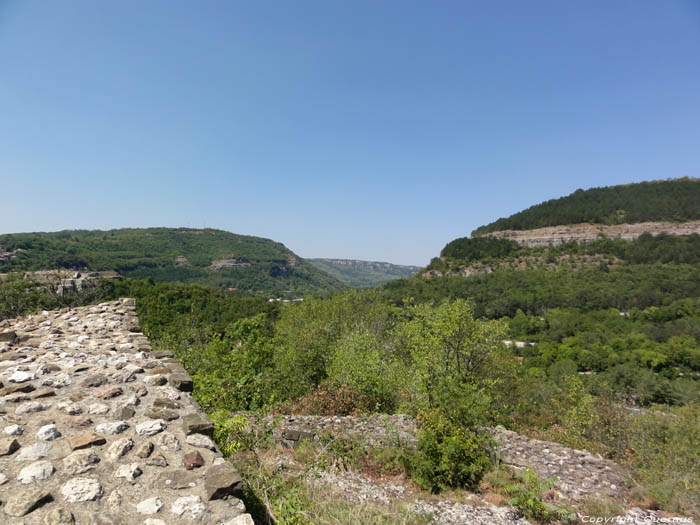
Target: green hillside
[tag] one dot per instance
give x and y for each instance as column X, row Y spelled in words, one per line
column 360, row 274
column 252, row 265
column 624, row 311
column 664, row 200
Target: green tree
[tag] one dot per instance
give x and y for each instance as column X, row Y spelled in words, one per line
column 450, row 352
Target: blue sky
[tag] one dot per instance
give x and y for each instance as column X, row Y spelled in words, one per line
column 361, row 129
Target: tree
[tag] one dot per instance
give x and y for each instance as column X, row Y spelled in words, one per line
column 450, row 352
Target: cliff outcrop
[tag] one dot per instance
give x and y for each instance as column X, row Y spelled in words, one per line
column 590, row 232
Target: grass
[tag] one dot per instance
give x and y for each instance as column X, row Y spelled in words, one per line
column 277, row 492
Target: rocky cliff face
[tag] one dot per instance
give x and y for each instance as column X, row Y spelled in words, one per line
column 590, row 232
column 97, row 428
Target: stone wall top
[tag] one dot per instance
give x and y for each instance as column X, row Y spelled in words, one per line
column 579, row 474
column 97, row 428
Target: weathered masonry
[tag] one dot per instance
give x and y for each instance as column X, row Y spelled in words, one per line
column 97, row 428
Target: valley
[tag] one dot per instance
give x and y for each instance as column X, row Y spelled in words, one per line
column 539, row 373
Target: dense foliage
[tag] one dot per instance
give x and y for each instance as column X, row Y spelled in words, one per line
column 646, row 249
column 357, row 352
column 183, row 255
column 503, row 293
column 20, row 295
column 478, row 248
column 664, row 200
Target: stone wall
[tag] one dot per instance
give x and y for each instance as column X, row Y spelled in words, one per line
column 580, row 474
column 97, row 428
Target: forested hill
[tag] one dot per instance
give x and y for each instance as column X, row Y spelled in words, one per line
column 359, row 274
column 575, row 265
column 251, row 265
column 673, row 200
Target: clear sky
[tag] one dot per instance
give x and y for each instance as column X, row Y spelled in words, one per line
column 373, row 129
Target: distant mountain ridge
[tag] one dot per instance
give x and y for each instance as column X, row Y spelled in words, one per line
column 672, row 200
column 247, row 264
column 358, row 274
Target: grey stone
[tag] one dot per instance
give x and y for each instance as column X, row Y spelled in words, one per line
column 98, row 409
column 157, row 380
column 16, row 398
column 150, row 428
column 109, row 393
column 197, row 424
column 168, row 442
column 59, row 516
column 130, row 471
column 201, row 441
column 13, row 430
column 243, row 519
column 162, row 402
column 112, row 428
column 188, row 506
column 223, row 480
column 182, row 382
column 157, row 460
column 35, row 472
column 8, row 446
column 149, row 506
column 162, row 413
column 22, row 503
column 10, row 336
column 13, row 389
column 94, row 381
column 58, row 381
column 80, row 462
column 115, row 501
column 81, row 489
column 44, row 392
column 48, row 433
column 21, row 377
column 124, row 412
column 34, row 452
column 169, row 392
column 30, row 407
column 120, row 447
column 176, row 480
column 144, row 450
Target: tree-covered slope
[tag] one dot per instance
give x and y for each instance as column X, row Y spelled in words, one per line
column 360, row 274
column 252, row 265
column 664, row 200
column 591, row 272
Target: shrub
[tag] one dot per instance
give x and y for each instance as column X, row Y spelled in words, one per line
column 327, row 400
column 526, row 495
column 448, row 455
column 227, row 429
column 358, row 362
column 666, row 460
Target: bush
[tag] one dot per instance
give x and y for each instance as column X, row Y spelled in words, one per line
column 666, row 460
column 327, row 400
column 448, row 455
column 358, row 363
column 526, row 495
